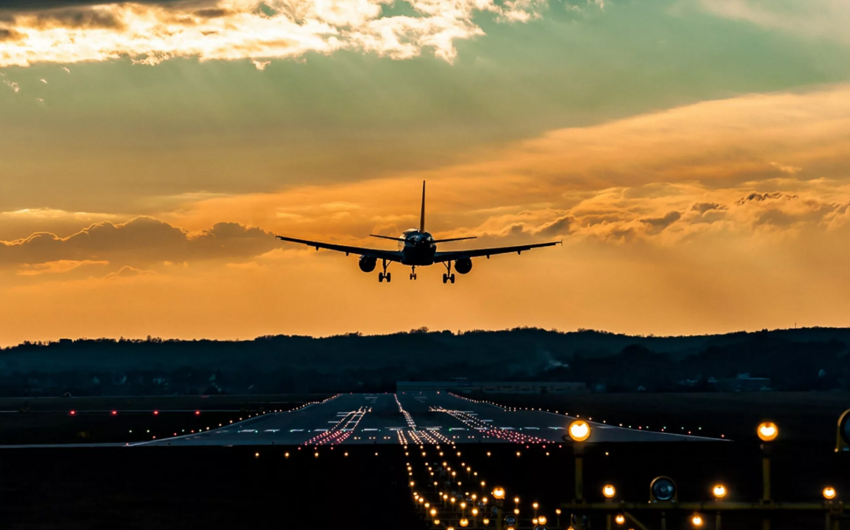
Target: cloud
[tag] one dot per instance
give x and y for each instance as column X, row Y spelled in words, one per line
column 760, row 197
column 658, row 224
column 786, row 169
column 703, row 207
column 9, row 35
column 129, row 272
column 560, row 226
column 57, row 267
column 247, row 29
column 140, row 241
column 816, row 19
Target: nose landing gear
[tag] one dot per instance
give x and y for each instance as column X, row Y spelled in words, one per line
column 413, row 273
column 385, row 275
column 448, row 277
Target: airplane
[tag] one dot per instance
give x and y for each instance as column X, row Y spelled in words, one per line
column 417, row 248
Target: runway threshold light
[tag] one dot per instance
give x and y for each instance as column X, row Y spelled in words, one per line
column 579, row 431
column 768, row 431
column 829, row 493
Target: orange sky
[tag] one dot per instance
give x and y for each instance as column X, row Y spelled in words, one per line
column 126, row 213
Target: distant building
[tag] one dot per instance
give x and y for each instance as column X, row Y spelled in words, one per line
column 492, row 387
column 744, row 383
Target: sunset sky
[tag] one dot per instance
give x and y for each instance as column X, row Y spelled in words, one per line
column 693, row 156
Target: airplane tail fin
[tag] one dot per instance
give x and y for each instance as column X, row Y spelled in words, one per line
column 422, row 215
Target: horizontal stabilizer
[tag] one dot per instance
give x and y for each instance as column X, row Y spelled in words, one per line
column 388, row 237
column 454, row 239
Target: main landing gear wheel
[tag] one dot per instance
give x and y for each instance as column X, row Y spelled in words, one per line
column 449, row 277
column 385, row 275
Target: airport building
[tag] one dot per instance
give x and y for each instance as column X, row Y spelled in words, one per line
column 492, row 387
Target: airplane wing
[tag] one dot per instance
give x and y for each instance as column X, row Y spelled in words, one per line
column 460, row 254
column 388, row 255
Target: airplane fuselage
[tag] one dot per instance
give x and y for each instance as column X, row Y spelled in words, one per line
column 418, row 248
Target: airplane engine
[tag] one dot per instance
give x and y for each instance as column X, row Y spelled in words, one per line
column 367, row 264
column 463, row 265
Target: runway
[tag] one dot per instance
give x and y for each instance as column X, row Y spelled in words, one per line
column 408, row 418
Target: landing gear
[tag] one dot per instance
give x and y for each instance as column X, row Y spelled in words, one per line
column 385, row 275
column 413, row 273
column 448, row 277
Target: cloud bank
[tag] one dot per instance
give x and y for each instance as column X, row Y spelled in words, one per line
column 247, row 29
column 138, row 242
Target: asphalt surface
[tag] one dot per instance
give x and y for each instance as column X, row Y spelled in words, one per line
column 407, row 418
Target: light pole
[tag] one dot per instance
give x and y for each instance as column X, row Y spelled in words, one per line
column 579, row 432
column 608, row 491
column 767, row 432
column 719, row 492
column 499, row 496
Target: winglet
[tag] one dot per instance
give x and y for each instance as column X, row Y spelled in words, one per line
column 422, row 215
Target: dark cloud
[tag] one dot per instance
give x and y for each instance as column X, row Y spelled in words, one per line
column 759, row 197
column 9, row 34
column 78, row 19
column 39, row 5
column 212, row 13
column 657, row 224
column 139, row 242
column 703, row 207
column 561, row 226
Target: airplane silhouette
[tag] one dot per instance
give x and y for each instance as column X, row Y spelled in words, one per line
column 417, row 248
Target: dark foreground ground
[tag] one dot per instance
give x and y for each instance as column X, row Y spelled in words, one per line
column 801, row 416
column 230, row 487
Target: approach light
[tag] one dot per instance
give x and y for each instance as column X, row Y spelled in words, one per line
column 485, row 521
column 696, row 520
column 542, row 519
column 768, row 431
column 463, row 522
column 829, row 493
column 433, row 512
column 609, row 491
column 719, row 491
column 620, row 519
column 579, row 430
column 499, row 493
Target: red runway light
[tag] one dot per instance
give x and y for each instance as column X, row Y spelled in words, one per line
column 156, row 413
column 197, row 413
column 73, row 413
column 114, row 412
